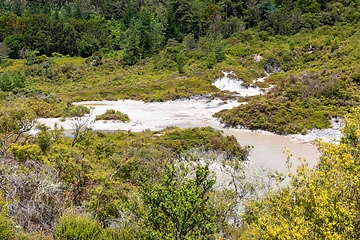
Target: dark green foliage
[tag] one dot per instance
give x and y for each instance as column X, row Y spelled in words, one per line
column 177, row 206
column 132, row 52
column 4, row 53
column 75, row 111
column 34, row 58
column 95, row 59
column 215, row 49
column 111, row 114
column 138, row 28
column 18, row 80
column 181, row 19
column 144, row 36
column 43, row 137
column 180, row 60
column 9, row 82
column 6, row 83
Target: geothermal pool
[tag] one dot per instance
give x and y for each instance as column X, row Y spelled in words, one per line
column 197, row 112
column 268, row 147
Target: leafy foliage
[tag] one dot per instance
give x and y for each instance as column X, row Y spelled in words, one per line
column 168, row 50
column 318, row 203
column 99, row 175
column 207, row 137
column 77, row 227
column 6, row 227
column 111, row 114
column 16, row 119
column 9, row 83
column 177, row 206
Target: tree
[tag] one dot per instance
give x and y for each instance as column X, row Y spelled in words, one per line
column 6, row 82
column 143, row 37
column 233, row 8
column 197, row 11
column 183, row 18
column 212, row 18
column 215, row 48
column 16, row 118
column 176, row 207
column 18, row 80
column 79, row 123
column 180, row 60
column 4, row 52
column 132, row 52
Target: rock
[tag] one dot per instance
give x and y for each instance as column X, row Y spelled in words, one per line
column 258, row 58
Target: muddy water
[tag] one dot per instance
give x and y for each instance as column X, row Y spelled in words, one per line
column 267, row 151
column 269, row 148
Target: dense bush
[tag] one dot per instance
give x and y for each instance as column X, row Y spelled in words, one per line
column 111, row 114
column 294, row 105
column 177, row 206
column 73, row 226
column 10, row 82
column 7, row 228
column 206, row 137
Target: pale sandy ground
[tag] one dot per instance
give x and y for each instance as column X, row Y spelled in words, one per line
column 268, row 147
column 197, row 112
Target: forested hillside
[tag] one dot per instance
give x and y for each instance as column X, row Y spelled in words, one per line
column 159, row 185
column 142, row 28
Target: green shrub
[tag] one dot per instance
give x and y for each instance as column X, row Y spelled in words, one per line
column 71, row 226
column 10, row 82
column 78, row 227
column 34, row 58
column 177, row 207
column 56, row 55
column 6, row 82
column 70, row 110
column 180, row 60
column 180, row 140
column 18, row 80
column 6, row 227
column 292, row 45
column 95, row 59
column 26, row 152
column 111, row 114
